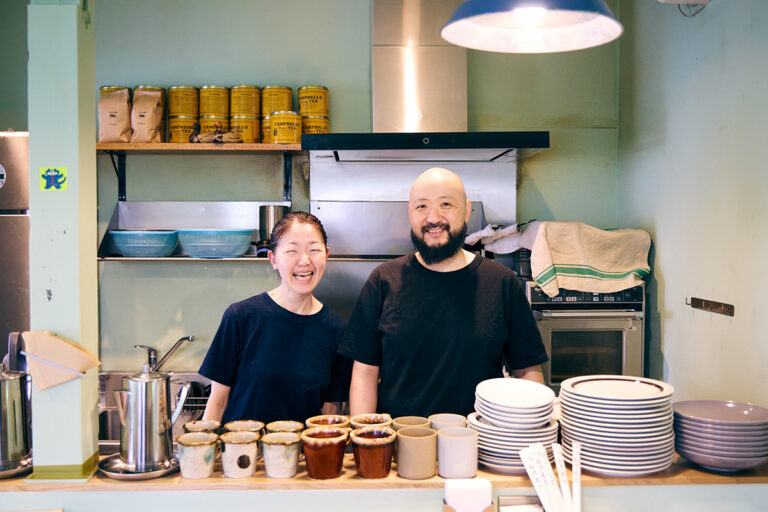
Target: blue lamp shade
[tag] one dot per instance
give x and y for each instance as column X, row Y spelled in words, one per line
column 531, row 26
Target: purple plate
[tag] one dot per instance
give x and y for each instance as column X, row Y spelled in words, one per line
column 725, row 440
column 722, row 463
column 722, row 412
column 711, row 449
column 749, row 430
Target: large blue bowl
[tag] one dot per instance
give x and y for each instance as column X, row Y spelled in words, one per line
column 145, row 244
column 215, row 243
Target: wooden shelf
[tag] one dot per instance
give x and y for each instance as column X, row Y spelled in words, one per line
column 680, row 473
column 168, row 147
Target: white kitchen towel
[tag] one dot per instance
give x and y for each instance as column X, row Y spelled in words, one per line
column 575, row 256
column 496, row 238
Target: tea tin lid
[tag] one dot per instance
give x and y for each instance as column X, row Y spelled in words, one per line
column 244, row 86
column 214, row 87
column 112, row 87
column 183, row 87
column 148, row 88
column 277, row 87
column 284, row 112
column 313, row 87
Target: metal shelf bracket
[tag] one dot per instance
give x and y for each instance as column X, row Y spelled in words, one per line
column 119, row 168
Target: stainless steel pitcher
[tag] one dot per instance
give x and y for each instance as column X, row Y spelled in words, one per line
column 15, row 438
column 145, row 421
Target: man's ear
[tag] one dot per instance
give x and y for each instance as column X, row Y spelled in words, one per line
column 469, row 211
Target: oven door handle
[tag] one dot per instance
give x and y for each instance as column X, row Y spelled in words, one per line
column 629, row 315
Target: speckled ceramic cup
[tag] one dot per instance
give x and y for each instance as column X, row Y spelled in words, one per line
column 416, row 453
column 281, row 454
column 285, row 426
column 457, row 452
column 370, row 420
column 324, row 451
column 202, row 426
column 328, row 420
column 408, row 421
column 244, row 425
column 197, row 452
column 239, row 451
column 373, row 447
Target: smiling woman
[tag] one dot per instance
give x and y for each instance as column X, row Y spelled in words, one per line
column 274, row 355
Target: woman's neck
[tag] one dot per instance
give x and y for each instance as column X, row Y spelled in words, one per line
column 299, row 304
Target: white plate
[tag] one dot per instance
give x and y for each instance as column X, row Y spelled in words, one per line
column 619, row 469
column 566, row 412
column 617, row 387
column 531, row 413
column 612, row 410
column 514, row 441
column 525, row 411
column 625, row 447
column 607, row 452
column 515, row 393
column 637, row 437
column 504, row 447
column 503, row 468
column 480, row 423
column 615, row 405
column 619, row 458
column 620, row 430
column 523, row 418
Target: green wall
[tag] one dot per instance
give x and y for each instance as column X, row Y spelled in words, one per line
column 293, row 43
column 692, row 160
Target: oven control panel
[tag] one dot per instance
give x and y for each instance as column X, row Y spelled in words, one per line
column 630, row 298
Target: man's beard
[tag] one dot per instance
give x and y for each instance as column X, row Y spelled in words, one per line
column 438, row 253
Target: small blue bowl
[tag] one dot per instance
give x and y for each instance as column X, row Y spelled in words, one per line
column 145, row 244
column 215, row 243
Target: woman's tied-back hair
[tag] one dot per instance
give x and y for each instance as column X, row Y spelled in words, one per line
column 295, row 218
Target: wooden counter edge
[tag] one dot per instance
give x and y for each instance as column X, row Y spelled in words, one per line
column 680, row 473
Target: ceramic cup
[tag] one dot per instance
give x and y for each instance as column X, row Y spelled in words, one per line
column 324, row 451
column 202, row 426
column 447, row 420
column 416, row 452
column 370, row 420
column 408, row 421
column 244, row 425
column 281, row 454
column 456, row 452
column 239, row 451
column 285, row 426
column 372, row 447
column 197, row 452
column 328, row 420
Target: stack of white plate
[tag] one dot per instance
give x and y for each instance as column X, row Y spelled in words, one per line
column 721, row 435
column 624, row 424
column 511, row 414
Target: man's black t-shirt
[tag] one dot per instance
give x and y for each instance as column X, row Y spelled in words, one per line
column 436, row 335
column 280, row 365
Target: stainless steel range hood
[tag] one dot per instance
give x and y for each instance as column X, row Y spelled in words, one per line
column 432, row 147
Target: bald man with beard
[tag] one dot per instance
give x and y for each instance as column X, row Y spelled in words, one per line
column 430, row 325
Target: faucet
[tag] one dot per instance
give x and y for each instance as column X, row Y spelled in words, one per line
column 174, row 348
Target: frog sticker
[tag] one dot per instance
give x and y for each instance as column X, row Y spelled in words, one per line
column 53, row 178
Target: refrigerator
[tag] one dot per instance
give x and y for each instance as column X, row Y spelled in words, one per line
column 14, row 235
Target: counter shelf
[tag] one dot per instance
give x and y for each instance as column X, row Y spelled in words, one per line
column 681, row 472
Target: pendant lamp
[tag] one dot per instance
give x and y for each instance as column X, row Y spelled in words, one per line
column 531, row 26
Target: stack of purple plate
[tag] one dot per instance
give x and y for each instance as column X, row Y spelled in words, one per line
column 721, row 435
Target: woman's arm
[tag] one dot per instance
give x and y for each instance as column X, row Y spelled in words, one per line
column 330, row 408
column 363, row 391
column 533, row 373
column 217, row 402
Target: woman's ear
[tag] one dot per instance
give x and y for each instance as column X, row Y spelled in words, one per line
column 271, row 256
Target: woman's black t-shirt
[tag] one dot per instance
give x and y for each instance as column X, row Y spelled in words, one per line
column 280, row 365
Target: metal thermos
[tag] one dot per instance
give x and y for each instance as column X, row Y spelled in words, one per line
column 145, row 419
column 15, row 438
column 269, row 215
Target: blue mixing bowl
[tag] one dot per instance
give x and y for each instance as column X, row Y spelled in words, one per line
column 145, row 244
column 215, row 243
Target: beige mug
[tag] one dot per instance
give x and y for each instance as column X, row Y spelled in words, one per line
column 244, row 425
column 201, row 426
column 408, row 421
column 197, row 452
column 416, row 452
column 457, row 452
column 447, row 420
column 281, row 454
column 239, row 451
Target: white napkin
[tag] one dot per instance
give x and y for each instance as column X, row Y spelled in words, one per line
column 468, row 495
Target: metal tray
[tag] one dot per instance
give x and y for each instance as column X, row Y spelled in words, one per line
column 113, row 467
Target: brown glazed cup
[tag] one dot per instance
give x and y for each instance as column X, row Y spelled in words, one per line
column 416, row 453
column 371, row 420
column 328, row 420
column 324, row 451
column 373, row 447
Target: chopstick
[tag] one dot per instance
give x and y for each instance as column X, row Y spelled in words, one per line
column 557, row 451
column 576, row 470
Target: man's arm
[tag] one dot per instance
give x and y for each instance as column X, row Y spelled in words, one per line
column 531, row 373
column 217, row 402
column 363, row 388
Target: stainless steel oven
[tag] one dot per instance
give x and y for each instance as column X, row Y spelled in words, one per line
column 590, row 333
